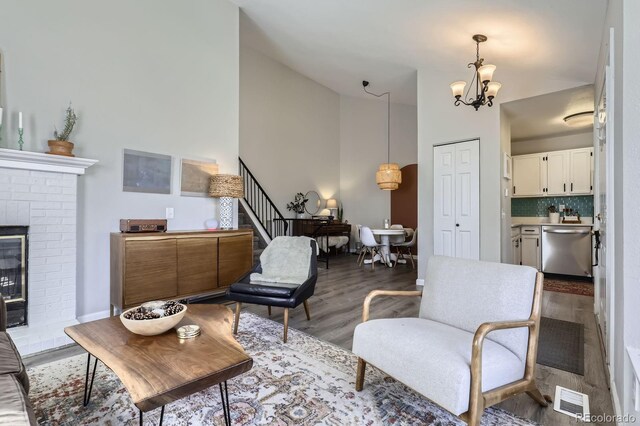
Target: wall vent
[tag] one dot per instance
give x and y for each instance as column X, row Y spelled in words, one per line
column 571, row 403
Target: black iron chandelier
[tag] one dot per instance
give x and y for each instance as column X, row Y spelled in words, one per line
column 486, row 89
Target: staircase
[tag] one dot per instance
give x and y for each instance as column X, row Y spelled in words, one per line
column 259, row 213
column 244, row 222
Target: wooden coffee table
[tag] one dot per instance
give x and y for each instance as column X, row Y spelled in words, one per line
column 157, row 370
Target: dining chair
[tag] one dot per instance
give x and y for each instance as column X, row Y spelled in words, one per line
column 405, row 248
column 396, row 239
column 369, row 245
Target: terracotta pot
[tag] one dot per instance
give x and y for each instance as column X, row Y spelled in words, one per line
column 60, row 148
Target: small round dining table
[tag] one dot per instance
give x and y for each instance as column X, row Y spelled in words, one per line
column 384, row 234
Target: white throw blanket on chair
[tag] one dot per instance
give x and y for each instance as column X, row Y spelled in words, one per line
column 285, row 260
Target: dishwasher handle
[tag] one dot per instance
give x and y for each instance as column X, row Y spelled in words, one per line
column 565, row 231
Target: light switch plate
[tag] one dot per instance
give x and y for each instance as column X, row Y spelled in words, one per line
column 169, row 213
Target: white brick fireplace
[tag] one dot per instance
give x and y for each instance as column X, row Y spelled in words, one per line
column 40, row 191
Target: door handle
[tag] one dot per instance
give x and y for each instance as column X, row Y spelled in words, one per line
column 564, row 187
column 598, row 216
column 457, row 225
column 537, row 242
column 571, row 186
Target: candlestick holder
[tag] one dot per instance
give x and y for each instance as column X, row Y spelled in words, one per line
column 20, row 141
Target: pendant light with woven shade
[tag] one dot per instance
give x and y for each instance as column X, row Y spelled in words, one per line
column 388, row 176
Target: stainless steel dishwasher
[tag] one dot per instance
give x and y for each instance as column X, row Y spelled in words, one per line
column 566, row 250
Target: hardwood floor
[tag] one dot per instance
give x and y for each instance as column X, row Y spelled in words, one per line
column 336, row 309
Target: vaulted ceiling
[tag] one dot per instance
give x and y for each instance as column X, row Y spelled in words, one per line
column 338, row 43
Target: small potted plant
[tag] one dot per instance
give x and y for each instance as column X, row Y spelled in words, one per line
column 554, row 216
column 61, row 145
column 297, row 205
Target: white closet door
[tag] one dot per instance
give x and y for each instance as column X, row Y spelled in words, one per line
column 457, row 200
column 468, row 200
column 444, row 213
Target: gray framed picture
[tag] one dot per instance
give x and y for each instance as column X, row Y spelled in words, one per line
column 195, row 176
column 146, row 172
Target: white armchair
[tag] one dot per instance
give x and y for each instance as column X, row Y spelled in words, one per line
column 474, row 342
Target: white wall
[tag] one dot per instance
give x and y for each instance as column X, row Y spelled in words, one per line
column 557, row 143
column 630, row 192
column 147, row 75
column 289, row 130
column 363, row 146
column 623, row 17
column 505, row 189
column 439, row 121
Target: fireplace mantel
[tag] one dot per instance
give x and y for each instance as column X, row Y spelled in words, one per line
column 26, row 160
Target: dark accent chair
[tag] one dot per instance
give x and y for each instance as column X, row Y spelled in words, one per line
column 15, row 407
column 283, row 296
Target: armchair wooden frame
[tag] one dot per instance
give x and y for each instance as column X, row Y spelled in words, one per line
column 479, row 400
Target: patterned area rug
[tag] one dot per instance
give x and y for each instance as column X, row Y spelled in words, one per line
column 303, row 382
column 583, row 288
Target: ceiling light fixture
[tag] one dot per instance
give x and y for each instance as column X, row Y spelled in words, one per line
column 580, row 119
column 486, row 89
column 388, row 176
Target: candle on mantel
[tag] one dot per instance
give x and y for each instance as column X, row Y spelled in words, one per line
column 20, row 120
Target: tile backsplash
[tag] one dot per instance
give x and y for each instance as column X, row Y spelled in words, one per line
column 529, row 207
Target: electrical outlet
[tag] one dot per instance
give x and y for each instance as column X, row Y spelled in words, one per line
column 169, row 213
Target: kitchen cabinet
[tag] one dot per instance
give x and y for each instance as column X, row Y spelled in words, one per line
column 558, row 166
column 556, row 173
column 581, row 179
column 531, row 254
column 516, row 252
column 529, row 175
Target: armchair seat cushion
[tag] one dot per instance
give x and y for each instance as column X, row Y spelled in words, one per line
column 265, row 289
column 433, row 358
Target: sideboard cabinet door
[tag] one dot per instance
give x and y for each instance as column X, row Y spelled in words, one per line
column 235, row 258
column 150, row 270
column 197, row 265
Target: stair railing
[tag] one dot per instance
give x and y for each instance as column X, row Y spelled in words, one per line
column 272, row 221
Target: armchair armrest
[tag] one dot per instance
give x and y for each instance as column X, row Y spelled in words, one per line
column 376, row 293
column 476, row 351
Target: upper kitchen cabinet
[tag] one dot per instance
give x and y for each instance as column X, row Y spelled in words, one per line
column 558, row 166
column 581, row 178
column 529, row 175
column 554, row 173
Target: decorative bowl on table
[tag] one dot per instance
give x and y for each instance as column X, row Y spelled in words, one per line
column 153, row 318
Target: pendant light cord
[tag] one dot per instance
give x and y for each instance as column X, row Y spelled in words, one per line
column 388, row 95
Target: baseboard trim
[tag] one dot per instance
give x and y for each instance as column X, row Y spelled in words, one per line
column 617, row 408
column 94, row 316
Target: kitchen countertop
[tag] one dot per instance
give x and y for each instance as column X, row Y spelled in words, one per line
column 540, row 221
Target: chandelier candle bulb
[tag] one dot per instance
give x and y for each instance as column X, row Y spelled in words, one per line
column 492, row 89
column 457, row 87
column 486, row 73
column 20, row 120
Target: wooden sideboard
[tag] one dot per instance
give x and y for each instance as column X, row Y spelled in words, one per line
column 176, row 264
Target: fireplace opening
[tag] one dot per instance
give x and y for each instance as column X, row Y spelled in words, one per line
column 13, row 272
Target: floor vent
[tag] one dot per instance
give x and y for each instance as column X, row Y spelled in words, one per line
column 571, row 403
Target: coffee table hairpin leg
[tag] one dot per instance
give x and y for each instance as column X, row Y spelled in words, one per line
column 224, row 396
column 88, row 386
column 161, row 416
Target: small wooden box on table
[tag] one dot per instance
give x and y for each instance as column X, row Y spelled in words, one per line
column 176, row 264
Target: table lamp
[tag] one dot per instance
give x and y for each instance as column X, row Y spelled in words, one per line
column 332, row 205
column 226, row 187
